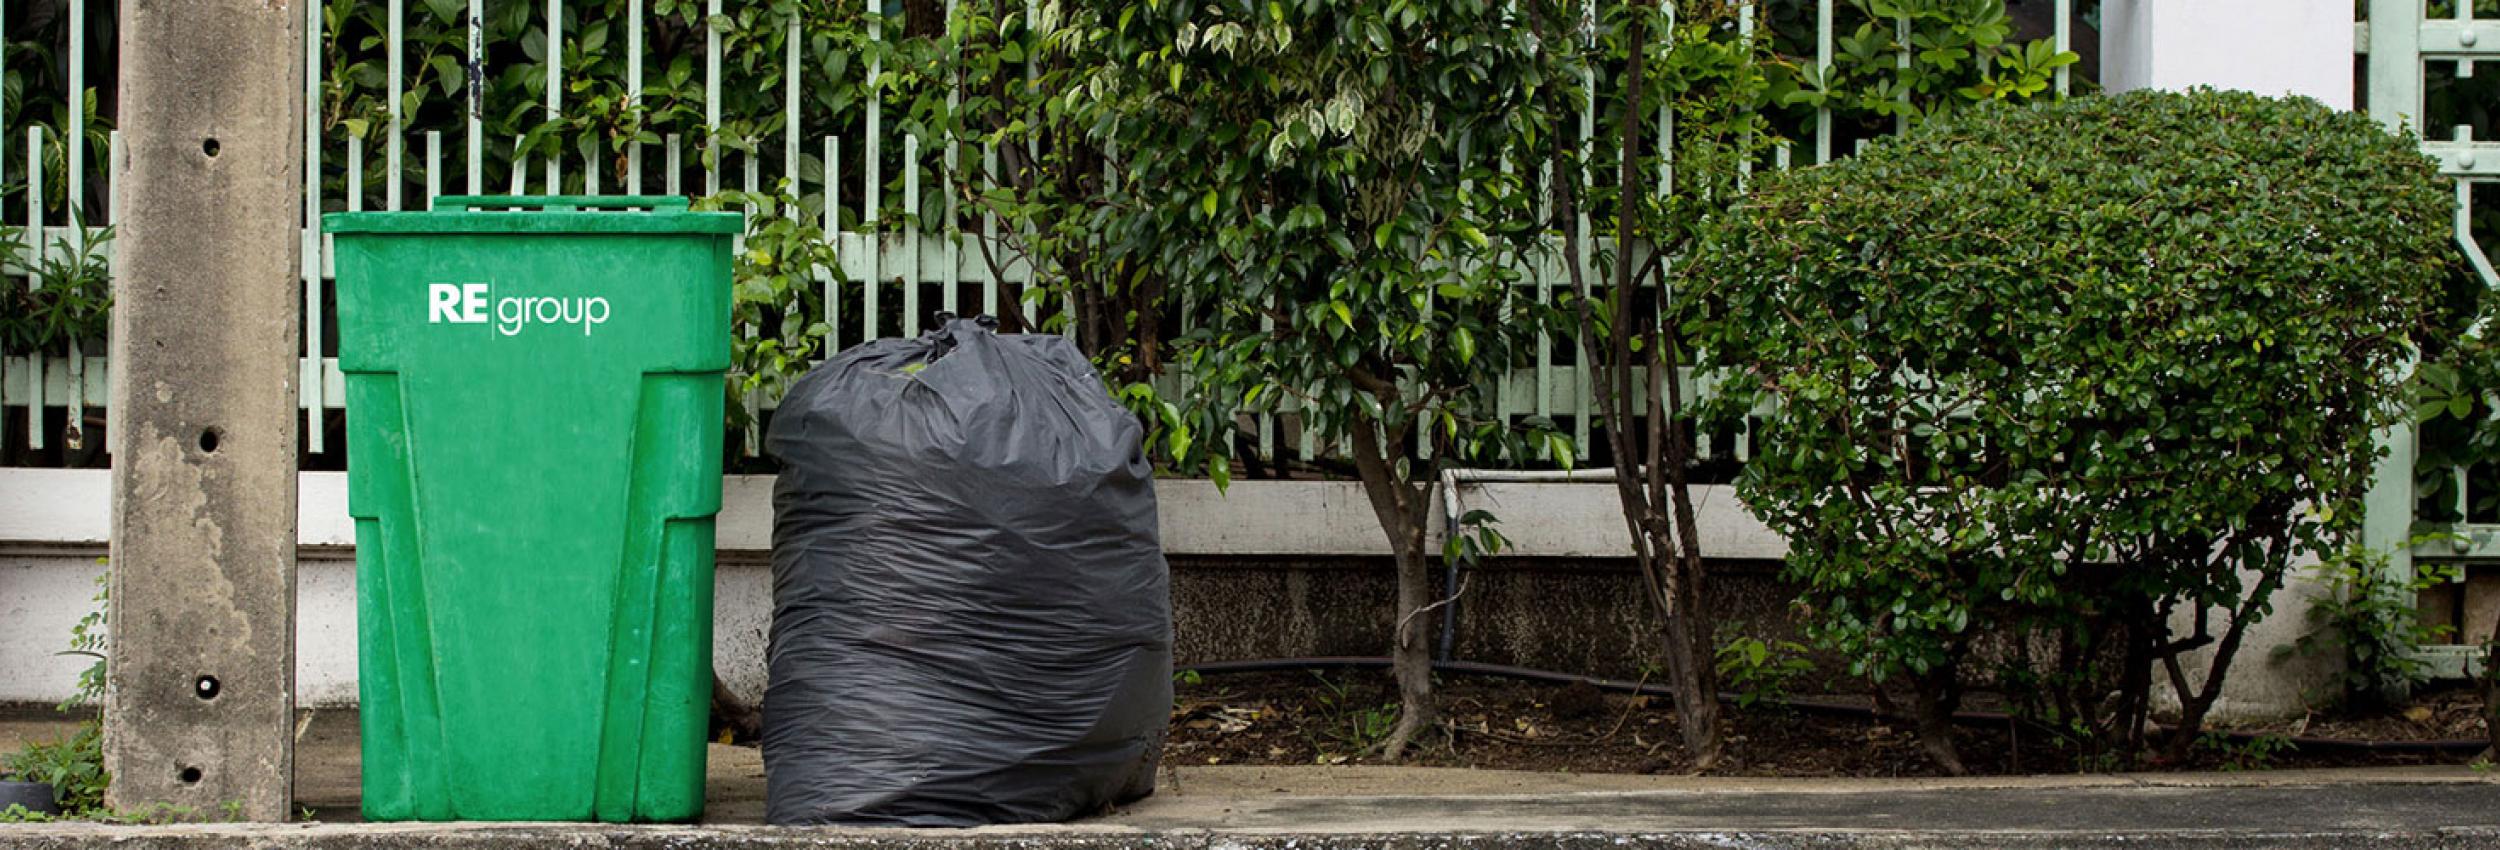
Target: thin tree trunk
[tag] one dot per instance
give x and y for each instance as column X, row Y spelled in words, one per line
column 1649, row 479
column 1939, row 696
column 2144, row 628
column 1689, row 630
column 1400, row 509
column 2194, row 706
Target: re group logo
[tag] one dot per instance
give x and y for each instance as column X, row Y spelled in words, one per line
column 469, row 304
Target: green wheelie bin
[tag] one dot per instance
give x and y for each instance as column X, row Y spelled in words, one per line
column 534, row 404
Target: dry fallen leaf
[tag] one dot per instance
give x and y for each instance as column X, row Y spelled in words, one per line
column 1233, row 720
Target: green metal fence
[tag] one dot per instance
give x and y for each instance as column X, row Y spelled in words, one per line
column 2409, row 44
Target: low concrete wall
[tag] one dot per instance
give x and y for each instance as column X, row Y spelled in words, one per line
column 70, row 508
column 1583, row 616
column 1576, row 616
column 1258, row 554
column 1269, row 569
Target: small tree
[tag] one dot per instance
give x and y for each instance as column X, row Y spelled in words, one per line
column 999, row 76
column 1317, row 185
column 2090, row 373
column 1708, row 77
column 1694, row 62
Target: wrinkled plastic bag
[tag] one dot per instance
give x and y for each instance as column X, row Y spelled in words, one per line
column 971, row 610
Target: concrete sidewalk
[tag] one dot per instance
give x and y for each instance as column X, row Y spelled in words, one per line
column 1316, row 808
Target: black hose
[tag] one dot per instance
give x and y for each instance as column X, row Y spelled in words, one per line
column 1810, row 706
column 1449, row 584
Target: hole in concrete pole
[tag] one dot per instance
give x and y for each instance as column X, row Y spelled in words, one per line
column 205, row 688
column 208, row 440
column 188, row 775
column 209, row 146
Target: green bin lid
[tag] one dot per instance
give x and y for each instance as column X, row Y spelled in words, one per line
column 541, row 214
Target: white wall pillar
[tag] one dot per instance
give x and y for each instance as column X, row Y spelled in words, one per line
column 2271, row 47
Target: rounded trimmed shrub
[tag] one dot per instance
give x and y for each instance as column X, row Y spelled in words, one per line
column 2042, row 383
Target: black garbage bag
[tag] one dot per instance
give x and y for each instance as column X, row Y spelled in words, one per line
column 972, row 619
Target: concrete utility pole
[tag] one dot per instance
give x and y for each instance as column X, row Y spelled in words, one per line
column 201, row 693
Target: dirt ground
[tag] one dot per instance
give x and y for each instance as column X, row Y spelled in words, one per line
column 2451, row 713
column 1301, row 718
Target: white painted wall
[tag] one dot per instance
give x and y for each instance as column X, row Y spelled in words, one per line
column 50, row 509
column 2271, row 47
column 42, row 596
column 54, row 525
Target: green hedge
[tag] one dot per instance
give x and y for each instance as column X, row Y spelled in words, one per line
column 2061, row 371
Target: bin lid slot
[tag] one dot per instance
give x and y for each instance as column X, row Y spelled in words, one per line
column 654, row 203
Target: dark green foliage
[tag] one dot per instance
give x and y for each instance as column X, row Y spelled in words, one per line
column 74, row 766
column 2368, row 619
column 1294, row 173
column 1318, row 188
column 1760, row 671
column 2256, row 753
column 2453, row 398
column 2069, row 370
column 2452, row 402
column 67, row 297
column 87, row 639
column 34, row 96
column 597, row 121
column 1960, row 52
column 775, row 300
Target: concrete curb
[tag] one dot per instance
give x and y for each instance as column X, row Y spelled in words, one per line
column 1326, row 809
column 570, row 837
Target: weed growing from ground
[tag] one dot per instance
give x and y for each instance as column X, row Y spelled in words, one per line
column 2256, row 753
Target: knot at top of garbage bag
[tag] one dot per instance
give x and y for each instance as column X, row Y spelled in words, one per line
column 952, row 330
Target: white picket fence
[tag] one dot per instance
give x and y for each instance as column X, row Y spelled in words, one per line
column 880, row 259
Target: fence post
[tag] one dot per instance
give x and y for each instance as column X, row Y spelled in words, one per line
column 2396, row 100
column 200, row 696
